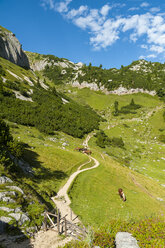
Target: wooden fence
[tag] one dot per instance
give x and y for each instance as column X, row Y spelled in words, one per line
column 61, row 225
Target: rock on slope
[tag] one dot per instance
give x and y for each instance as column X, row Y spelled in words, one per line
column 11, row 49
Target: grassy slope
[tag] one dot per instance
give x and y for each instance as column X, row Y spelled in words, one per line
column 94, row 194
column 49, row 159
column 19, row 71
column 95, row 198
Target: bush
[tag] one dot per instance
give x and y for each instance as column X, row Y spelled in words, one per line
column 103, row 140
column 117, row 142
column 162, row 138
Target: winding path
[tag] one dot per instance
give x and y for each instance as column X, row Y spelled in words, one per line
column 62, row 200
column 50, row 238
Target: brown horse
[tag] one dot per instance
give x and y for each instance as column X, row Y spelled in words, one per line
column 121, row 194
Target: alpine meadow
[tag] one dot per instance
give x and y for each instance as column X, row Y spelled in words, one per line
column 82, row 151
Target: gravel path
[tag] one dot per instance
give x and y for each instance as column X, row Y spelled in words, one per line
column 62, row 200
column 51, row 239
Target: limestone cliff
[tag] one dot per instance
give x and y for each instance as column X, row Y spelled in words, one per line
column 11, row 49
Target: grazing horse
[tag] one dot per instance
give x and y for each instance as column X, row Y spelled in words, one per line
column 121, row 194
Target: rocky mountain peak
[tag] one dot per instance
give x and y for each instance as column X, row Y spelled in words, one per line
column 11, row 49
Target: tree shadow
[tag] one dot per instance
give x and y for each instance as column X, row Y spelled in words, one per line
column 11, row 236
column 43, row 181
column 43, row 173
column 30, row 166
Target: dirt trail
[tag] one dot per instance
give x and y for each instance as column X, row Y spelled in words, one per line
column 62, row 200
column 51, row 239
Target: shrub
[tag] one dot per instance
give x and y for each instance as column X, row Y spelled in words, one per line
column 103, row 140
column 162, row 138
column 117, row 142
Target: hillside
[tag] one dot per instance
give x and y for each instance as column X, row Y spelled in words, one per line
column 137, row 77
column 21, row 89
column 47, row 111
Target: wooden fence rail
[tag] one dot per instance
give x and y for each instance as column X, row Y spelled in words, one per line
column 62, row 225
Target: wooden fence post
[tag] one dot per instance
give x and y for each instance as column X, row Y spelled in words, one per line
column 71, row 214
column 45, row 221
column 65, row 226
column 58, row 221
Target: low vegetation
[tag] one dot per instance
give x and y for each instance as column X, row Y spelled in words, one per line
column 48, row 112
column 148, row 232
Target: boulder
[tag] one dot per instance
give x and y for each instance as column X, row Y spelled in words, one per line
column 5, row 219
column 4, row 179
column 125, row 240
column 6, row 209
column 15, row 188
column 17, row 210
column 4, row 196
column 16, row 216
column 24, row 218
column 8, row 199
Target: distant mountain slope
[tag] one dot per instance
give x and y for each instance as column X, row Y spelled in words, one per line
column 139, row 76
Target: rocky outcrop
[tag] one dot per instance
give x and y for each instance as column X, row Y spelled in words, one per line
column 11, row 49
column 119, row 91
column 4, row 179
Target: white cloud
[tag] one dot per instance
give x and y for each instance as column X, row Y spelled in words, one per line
column 151, row 56
column 47, row 3
column 142, row 57
column 144, row 4
column 105, row 9
column 107, row 35
column 154, row 10
column 157, row 49
column 62, row 7
column 77, row 12
column 139, row 23
column 144, row 46
column 133, row 8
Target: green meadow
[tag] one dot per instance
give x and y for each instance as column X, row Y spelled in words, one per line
column 138, row 168
column 95, row 196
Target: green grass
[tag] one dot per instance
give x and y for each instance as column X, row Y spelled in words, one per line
column 95, row 194
column 4, row 29
column 100, row 101
column 17, row 70
column 48, row 157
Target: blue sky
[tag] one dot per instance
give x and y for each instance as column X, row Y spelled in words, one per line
column 111, row 33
